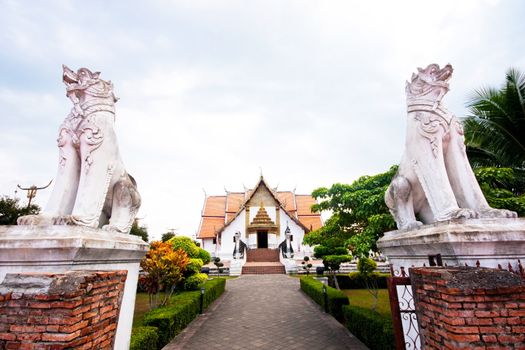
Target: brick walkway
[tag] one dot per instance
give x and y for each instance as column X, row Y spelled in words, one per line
column 264, row 312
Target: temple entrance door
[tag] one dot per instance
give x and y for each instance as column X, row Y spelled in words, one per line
column 262, row 239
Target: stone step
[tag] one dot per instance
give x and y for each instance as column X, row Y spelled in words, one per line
column 263, row 270
column 262, row 255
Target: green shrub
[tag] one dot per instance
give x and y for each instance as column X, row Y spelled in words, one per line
column 321, row 250
column 336, row 298
column 195, row 281
column 186, row 244
column 204, row 256
column 170, row 320
column 333, row 262
column 373, row 329
column 355, row 280
column 213, row 289
column 144, row 338
column 193, row 267
column 366, row 265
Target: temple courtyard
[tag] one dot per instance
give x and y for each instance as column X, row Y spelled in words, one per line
column 265, row 312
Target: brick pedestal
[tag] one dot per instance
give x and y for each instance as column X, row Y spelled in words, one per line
column 77, row 310
column 469, row 308
column 59, row 249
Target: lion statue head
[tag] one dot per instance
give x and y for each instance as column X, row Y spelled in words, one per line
column 428, row 85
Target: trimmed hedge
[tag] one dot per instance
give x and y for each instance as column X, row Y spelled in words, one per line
column 144, row 338
column 336, row 298
column 355, row 280
column 373, row 329
column 170, row 320
column 194, row 282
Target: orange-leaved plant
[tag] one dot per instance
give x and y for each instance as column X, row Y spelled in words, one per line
column 164, row 268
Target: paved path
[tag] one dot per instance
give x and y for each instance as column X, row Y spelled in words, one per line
column 267, row 312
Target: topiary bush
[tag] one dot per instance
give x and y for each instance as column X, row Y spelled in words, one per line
column 366, row 265
column 144, row 338
column 373, row 329
column 336, row 298
column 194, row 267
column 186, row 244
column 195, row 281
column 204, row 256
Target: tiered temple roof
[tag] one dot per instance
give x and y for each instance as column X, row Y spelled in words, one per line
column 219, row 211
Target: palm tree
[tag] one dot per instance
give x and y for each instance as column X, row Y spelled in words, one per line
column 495, row 130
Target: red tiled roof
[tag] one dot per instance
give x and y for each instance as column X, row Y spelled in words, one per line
column 312, row 222
column 287, row 200
column 234, row 201
column 215, row 206
column 209, row 227
column 230, row 216
column 304, row 203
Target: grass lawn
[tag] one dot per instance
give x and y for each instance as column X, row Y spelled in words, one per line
column 363, row 298
column 141, row 307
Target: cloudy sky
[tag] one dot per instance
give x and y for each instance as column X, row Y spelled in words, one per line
column 213, row 92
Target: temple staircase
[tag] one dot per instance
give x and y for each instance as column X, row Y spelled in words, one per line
column 262, row 261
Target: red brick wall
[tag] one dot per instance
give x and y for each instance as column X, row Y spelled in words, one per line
column 77, row 309
column 469, row 308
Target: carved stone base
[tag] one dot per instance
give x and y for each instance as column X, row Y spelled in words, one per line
column 460, row 242
column 58, row 249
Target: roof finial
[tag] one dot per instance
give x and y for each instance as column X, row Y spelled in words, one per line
column 260, row 169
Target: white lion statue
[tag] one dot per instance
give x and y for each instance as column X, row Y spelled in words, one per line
column 435, row 180
column 92, row 187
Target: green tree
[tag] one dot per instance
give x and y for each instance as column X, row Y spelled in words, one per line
column 359, row 214
column 11, row 210
column 495, row 128
column 140, row 231
column 504, row 188
column 167, row 236
column 366, row 268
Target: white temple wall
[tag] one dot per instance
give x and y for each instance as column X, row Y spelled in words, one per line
column 296, row 230
column 227, row 244
column 207, row 244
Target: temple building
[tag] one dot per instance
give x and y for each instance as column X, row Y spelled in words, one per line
column 257, row 221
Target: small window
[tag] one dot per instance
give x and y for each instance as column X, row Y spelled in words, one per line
column 291, row 238
column 215, row 241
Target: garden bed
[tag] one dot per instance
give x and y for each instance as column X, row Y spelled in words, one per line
column 154, row 329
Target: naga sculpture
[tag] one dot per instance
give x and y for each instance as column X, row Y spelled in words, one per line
column 435, row 180
column 92, row 187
